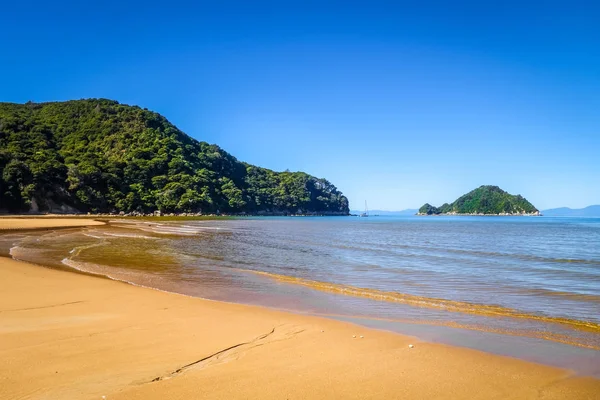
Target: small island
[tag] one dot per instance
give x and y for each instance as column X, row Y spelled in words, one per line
column 485, row 200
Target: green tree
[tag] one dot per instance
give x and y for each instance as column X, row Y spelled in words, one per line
column 99, row 155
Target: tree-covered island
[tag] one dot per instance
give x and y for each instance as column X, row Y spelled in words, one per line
column 485, row 200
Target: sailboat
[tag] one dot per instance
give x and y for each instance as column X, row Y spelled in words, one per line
column 366, row 213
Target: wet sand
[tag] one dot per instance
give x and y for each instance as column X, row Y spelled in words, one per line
column 69, row 336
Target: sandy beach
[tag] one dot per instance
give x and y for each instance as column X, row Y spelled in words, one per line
column 70, row 336
column 42, row 222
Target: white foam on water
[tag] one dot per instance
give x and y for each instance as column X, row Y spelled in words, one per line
column 163, row 228
column 13, row 250
column 93, row 236
column 20, row 253
column 202, row 227
column 174, row 231
column 129, row 235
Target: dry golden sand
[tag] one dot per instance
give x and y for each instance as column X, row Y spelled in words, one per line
column 70, row 336
column 11, row 223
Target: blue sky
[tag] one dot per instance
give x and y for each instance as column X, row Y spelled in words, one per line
column 393, row 102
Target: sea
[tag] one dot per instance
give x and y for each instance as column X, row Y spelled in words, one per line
column 525, row 287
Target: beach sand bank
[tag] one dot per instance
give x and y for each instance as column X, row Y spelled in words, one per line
column 70, row 336
column 42, row 222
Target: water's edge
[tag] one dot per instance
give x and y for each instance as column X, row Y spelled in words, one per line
column 543, row 350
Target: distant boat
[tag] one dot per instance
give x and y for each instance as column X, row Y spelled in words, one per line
column 366, row 213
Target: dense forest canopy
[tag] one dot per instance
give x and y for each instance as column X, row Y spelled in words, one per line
column 98, row 155
column 483, row 200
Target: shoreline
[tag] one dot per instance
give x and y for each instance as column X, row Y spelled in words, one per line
column 115, row 340
column 174, row 215
column 65, row 334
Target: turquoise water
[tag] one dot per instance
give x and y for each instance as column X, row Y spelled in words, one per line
column 534, row 278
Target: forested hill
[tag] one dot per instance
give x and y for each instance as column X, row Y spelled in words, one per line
column 488, row 200
column 98, row 155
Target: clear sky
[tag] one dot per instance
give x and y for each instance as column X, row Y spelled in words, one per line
column 398, row 103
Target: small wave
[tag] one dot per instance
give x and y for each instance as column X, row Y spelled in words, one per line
column 438, row 251
column 177, row 231
column 167, row 228
column 78, row 249
column 21, row 253
column 94, row 269
column 216, row 228
column 93, row 236
column 129, row 235
column 76, row 265
column 429, row 302
column 13, row 250
column 565, row 295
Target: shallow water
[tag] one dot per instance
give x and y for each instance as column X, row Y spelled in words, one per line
column 533, row 278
